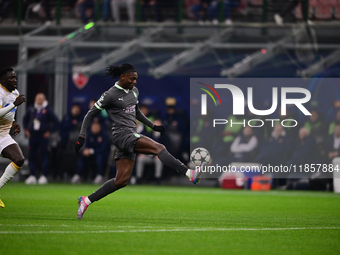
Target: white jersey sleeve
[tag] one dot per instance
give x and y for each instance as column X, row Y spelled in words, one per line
column 7, row 111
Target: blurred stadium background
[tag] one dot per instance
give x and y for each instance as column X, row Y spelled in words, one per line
column 65, row 58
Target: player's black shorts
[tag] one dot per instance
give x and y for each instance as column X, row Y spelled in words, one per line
column 125, row 139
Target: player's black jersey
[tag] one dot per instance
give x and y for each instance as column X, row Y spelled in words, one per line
column 122, row 107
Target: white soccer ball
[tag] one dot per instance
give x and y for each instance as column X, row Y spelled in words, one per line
column 199, row 156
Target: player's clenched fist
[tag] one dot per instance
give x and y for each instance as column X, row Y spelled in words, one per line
column 19, row 100
column 79, row 144
column 160, row 129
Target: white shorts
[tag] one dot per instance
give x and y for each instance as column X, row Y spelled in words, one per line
column 6, row 141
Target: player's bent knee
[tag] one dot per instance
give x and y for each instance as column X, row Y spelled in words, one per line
column 160, row 147
column 19, row 162
column 121, row 183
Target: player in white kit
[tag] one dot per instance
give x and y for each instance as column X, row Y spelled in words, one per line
column 9, row 100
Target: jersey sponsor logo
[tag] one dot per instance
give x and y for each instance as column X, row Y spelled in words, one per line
column 130, row 109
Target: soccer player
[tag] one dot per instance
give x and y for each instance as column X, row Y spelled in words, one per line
column 9, row 100
column 121, row 104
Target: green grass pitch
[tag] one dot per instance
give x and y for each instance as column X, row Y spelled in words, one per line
column 168, row 220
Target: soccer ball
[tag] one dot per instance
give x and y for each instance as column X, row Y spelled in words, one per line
column 199, row 156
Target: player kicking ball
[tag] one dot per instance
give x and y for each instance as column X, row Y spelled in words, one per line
column 121, row 104
column 9, row 101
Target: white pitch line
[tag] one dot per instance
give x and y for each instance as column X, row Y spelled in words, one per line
column 166, row 230
column 234, row 192
column 71, row 226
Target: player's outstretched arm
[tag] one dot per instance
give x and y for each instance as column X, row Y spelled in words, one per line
column 86, row 122
column 18, row 101
column 142, row 118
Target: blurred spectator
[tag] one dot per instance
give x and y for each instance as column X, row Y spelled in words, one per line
column 4, row 4
column 231, row 131
column 86, row 10
column 69, row 133
column 71, row 121
column 155, row 6
column 288, row 8
column 292, row 132
column 115, row 9
column 158, row 6
column 175, row 124
column 225, row 135
column 317, row 128
column 4, row 8
column 200, row 10
column 187, row 8
column 243, row 147
column 47, row 8
column 39, row 121
column 203, row 135
column 106, row 10
column 141, row 128
column 332, row 145
column 142, row 159
column 95, row 152
column 305, row 151
column 333, row 123
column 228, row 5
column 262, row 132
column 275, row 148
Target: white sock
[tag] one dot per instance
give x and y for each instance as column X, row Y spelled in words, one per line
column 87, row 201
column 9, row 173
column 188, row 173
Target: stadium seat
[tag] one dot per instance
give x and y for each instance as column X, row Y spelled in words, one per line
column 298, row 12
column 323, row 9
column 256, row 2
column 337, row 9
column 243, row 5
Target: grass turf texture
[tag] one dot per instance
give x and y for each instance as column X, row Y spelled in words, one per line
column 168, row 220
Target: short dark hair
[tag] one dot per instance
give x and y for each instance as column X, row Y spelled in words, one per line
column 116, row 71
column 5, row 70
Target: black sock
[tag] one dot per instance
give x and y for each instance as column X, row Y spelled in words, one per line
column 169, row 160
column 107, row 188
